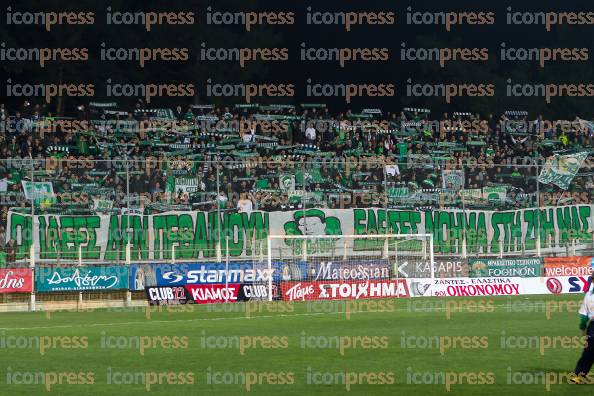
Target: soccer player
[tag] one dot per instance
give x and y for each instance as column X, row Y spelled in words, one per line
column 587, row 359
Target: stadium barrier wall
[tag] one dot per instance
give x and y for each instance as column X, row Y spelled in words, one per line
column 84, row 287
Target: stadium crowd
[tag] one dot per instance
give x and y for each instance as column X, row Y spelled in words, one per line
column 248, row 157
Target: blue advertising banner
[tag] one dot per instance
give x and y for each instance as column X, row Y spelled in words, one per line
column 53, row 279
column 148, row 275
column 360, row 269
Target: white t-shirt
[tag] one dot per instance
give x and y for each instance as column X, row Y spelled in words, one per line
column 587, row 308
column 310, row 133
column 249, row 137
column 392, row 170
column 244, row 205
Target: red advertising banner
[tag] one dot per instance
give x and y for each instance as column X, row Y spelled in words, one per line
column 17, row 280
column 212, row 293
column 337, row 290
column 568, row 266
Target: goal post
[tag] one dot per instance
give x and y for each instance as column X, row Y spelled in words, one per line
column 345, row 259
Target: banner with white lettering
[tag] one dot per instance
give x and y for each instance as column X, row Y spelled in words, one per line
column 52, row 279
column 498, row 286
column 342, row 290
column 16, row 280
column 202, row 235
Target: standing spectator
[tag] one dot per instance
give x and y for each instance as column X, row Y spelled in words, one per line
column 310, row 133
column 10, row 252
column 248, row 137
column 222, row 200
column 245, row 205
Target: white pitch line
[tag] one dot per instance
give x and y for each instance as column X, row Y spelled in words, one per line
column 149, row 321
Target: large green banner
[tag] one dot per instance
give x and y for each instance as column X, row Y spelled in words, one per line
column 196, row 235
column 188, row 235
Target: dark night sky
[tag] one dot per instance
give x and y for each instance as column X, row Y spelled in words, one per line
column 295, row 71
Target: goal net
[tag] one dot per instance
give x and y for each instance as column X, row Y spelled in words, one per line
column 310, row 267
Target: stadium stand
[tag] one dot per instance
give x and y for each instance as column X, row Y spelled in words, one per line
column 103, row 159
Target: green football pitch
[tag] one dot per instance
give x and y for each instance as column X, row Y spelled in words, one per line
column 428, row 346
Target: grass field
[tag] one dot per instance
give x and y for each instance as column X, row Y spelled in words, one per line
column 407, row 346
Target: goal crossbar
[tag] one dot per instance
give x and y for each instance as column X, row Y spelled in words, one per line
column 378, row 236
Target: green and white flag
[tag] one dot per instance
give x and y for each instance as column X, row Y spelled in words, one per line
column 561, row 169
column 287, row 183
column 188, row 185
column 309, row 176
column 102, row 204
column 495, row 193
column 455, row 177
column 398, row 192
column 471, row 195
column 37, row 190
column 41, row 194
